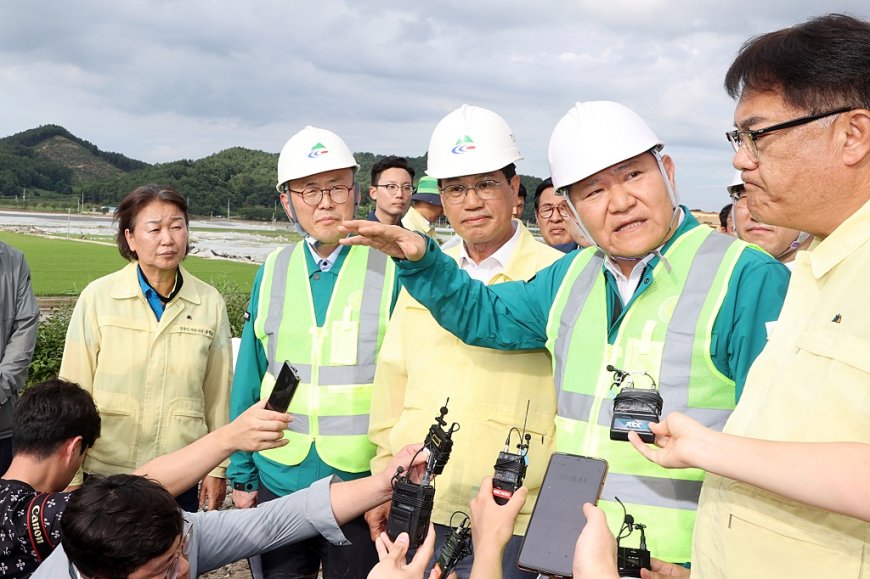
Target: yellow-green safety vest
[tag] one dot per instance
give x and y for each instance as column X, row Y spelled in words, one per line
column 336, row 362
column 667, row 333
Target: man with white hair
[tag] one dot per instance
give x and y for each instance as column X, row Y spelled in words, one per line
column 655, row 294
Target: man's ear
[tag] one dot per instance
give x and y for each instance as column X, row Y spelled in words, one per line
column 72, row 449
column 515, row 185
column 373, row 192
column 856, row 147
column 285, row 203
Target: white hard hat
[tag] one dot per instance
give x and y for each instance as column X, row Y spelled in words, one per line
column 593, row 136
column 469, row 141
column 736, row 181
column 312, row 151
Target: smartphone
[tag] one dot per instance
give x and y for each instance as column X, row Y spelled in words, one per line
column 556, row 522
column 285, row 388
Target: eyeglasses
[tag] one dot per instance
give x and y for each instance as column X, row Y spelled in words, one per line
column 486, row 190
column 747, row 139
column 312, row 195
column 739, row 198
column 394, row 188
column 546, row 211
column 183, row 551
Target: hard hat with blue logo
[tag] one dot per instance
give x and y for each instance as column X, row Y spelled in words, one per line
column 470, row 141
column 311, row 151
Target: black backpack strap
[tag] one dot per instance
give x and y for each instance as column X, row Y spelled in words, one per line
column 40, row 539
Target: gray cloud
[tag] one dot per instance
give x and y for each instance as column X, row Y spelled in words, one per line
column 162, row 80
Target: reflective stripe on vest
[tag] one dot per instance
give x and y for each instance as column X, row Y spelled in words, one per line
column 666, row 332
column 336, row 362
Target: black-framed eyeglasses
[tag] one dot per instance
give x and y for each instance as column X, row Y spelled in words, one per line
column 394, row 188
column 312, row 195
column 183, row 551
column 746, row 139
column 739, row 197
column 546, row 211
column 486, row 189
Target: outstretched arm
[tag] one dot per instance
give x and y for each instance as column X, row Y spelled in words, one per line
column 834, row 476
column 254, row 430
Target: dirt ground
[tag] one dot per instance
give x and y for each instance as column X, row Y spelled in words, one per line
column 238, row 570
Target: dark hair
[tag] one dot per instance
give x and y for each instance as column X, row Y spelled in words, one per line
column 522, row 193
column 820, row 64
column 545, row 184
column 390, row 162
column 113, row 525
column 724, row 213
column 136, row 200
column 49, row 414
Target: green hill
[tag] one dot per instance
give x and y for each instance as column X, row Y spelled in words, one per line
column 58, row 170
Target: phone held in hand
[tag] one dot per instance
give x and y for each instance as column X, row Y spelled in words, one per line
column 557, row 520
column 285, row 388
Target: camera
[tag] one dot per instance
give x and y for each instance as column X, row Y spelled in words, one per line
column 634, row 408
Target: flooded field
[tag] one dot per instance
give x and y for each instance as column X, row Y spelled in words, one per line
column 225, row 238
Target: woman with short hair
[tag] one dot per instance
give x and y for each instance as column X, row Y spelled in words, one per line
column 152, row 344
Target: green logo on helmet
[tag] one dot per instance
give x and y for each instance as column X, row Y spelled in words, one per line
column 317, row 150
column 463, row 145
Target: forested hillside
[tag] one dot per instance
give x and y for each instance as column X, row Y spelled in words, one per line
column 54, row 169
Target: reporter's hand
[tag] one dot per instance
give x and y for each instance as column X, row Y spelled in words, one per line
column 677, row 437
column 492, row 524
column 377, row 520
column 392, row 557
column 245, row 499
column 258, row 429
column 212, row 492
column 404, row 459
column 391, row 239
column 660, row 569
column 595, row 551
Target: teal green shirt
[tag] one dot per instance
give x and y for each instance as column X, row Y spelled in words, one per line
column 249, row 468
column 513, row 315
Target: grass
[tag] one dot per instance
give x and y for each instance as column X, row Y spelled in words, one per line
column 64, row 267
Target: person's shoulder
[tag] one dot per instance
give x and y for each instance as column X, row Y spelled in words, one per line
column 108, row 281
column 56, row 565
column 12, row 251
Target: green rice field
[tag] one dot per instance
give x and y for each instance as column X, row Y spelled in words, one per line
column 63, row 267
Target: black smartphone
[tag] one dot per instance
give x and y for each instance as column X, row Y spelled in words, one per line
column 556, row 522
column 285, row 388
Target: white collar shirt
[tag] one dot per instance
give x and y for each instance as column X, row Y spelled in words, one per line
column 492, row 265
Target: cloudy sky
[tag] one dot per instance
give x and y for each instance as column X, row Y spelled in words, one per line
column 163, row 80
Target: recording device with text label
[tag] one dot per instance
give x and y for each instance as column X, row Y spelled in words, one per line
column 411, row 508
column 630, row 560
column 634, row 408
column 456, row 548
column 510, row 467
column 557, row 519
column 285, row 387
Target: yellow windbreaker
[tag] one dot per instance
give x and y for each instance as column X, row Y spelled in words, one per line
column 420, row 365
column 158, row 385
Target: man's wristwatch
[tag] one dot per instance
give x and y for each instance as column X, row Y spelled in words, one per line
column 246, row 487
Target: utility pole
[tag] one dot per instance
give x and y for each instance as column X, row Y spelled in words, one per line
column 228, row 208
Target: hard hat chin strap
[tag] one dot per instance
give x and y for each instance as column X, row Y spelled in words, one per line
column 794, row 245
column 291, row 215
column 672, row 195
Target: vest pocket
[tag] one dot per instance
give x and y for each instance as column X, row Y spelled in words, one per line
column 343, row 336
